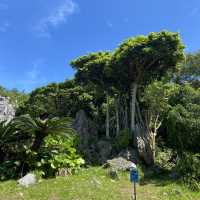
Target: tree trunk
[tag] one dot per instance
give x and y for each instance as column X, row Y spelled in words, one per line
column 133, row 106
column 117, row 116
column 107, row 117
column 37, row 142
column 126, row 117
column 153, row 146
column 147, row 141
column 2, row 155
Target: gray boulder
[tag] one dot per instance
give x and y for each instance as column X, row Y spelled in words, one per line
column 119, row 164
column 26, row 181
column 7, row 110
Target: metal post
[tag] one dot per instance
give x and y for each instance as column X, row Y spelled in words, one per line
column 135, row 191
column 134, row 196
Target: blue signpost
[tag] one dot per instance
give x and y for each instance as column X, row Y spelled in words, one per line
column 134, row 178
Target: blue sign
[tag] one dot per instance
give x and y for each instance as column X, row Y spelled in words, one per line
column 134, row 176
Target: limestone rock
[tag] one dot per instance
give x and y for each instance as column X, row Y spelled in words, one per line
column 119, row 163
column 88, row 135
column 26, row 181
column 7, row 110
column 85, row 128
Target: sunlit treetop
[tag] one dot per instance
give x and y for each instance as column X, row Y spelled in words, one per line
column 150, row 55
column 93, row 68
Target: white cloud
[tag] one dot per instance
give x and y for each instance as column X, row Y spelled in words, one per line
column 57, row 17
column 4, row 26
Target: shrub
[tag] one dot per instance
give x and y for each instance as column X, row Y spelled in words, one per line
column 123, row 139
column 163, row 157
column 58, row 152
column 188, row 168
column 9, row 169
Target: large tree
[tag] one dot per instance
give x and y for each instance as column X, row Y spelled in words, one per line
column 94, row 69
column 58, row 99
column 189, row 70
column 183, row 120
column 141, row 59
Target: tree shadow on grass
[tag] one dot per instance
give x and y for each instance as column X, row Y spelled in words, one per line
column 158, row 177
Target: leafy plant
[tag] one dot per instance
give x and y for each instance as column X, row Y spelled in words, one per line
column 188, row 168
column 123, row 139
column 58, row 152
column 44, row 145
column 40, row 129
column 9, row 169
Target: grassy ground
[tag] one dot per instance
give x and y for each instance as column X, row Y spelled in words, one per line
column 93, row 184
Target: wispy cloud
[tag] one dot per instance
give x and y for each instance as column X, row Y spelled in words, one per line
column 57, row 17
column 4, row 26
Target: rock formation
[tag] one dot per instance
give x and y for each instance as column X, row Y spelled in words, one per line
column 87, row 135
column 26, row 181
column 7, row 110
column 119, row 164
column 86, row 129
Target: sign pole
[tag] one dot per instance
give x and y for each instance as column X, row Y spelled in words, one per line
column 135, row 196
column 134, row 178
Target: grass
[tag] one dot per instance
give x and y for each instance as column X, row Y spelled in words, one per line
column 94, row 184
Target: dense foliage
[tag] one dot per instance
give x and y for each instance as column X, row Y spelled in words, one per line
column 63, row 99
column 143, row 92
column 29, row 144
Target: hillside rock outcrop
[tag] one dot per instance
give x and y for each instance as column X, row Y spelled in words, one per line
column 7, row 110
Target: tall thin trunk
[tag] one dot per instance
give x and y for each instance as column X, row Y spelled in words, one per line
column 126, row 116
column 2, row 155
column 140, row 120
column 153, row 147
column 133, row 105
column 117, row 116
column 107, row 117
column 37, row 142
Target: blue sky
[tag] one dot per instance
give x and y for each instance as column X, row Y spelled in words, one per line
column 39, row 38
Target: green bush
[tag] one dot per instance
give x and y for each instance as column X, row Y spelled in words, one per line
column 123, row 139
column 188, row 168
column 163, row 157
column 58, row 152
column 9, row 169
